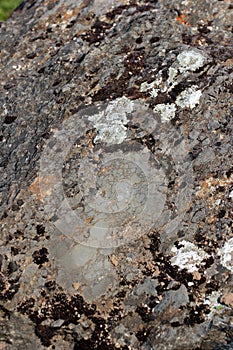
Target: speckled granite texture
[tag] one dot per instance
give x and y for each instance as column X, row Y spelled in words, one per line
column 116, row 175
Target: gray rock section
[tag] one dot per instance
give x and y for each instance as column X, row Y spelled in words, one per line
column 162, row 72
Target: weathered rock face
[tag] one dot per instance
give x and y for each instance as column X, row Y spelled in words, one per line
column 116, row 175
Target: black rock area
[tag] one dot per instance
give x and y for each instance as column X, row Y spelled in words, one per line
column 116, row 175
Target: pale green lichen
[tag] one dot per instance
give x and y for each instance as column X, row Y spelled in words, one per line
column 110, row 125
column 190, row 60
column 212, row 300
column 147, row 86
column 166, row 111
column 154, row 87
column 226, row 255
column 188, row 256
column 112, row 134
column 189, row 98
column 171, row 81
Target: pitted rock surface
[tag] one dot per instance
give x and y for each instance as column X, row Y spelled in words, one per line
column 116, row 175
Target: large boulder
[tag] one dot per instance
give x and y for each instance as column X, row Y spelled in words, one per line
column 116, row 175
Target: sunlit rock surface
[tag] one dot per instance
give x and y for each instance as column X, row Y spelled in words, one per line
column 116, row 175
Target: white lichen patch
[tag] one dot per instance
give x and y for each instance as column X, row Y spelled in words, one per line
column 110, row 125
column 111, row 134
column 171, row 81
column 120, row 105
column 154, row 92
column 190, row 60
column 189, row 98
column 154, row 87
column 147, row 86
column 212, row 299
column 215, row 306
column 226, row 255
column 188, row 256
column 166, row 111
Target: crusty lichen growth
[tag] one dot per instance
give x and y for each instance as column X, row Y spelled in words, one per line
column 226, row 255
column 188, row 256
column 190, row 60
column 187, row 61
column 110, row 125
column 189, row 98
column 166, row 111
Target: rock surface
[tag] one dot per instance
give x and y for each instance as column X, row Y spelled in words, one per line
column 116, row 175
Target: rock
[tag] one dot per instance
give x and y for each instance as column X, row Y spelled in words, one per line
column 173, row 299
column 227, row 299
column 116, row 164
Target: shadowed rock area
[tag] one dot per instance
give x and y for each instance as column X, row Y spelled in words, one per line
column 116, row 175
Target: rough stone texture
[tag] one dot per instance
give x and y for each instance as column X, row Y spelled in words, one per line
column 159, row 74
